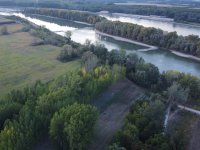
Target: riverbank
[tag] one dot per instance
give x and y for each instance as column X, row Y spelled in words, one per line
column 149, row 47
column 185, row 55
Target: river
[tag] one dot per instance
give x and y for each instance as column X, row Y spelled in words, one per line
column 163, row 59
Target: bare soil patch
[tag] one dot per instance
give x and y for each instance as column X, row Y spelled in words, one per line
column 115, row 104
column 194, row 139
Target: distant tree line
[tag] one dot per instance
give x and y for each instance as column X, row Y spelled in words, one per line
column 179, row 14
column 169, row 40
column 67, row 14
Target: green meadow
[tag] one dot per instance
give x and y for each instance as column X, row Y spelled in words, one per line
column 22, row 64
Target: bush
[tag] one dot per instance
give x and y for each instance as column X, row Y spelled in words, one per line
column 4, row 31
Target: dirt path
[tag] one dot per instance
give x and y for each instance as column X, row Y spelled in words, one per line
column 197, row 112
column 115, row 102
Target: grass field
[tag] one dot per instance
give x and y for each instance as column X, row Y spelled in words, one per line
column 22, row 64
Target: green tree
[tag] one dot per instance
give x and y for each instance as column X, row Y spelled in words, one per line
column 68, row 53
column 115, row 147
column 68, row 35
column 176, row 94
column 89, row 61
column 72, row 127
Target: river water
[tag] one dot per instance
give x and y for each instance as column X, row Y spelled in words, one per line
column 163, row 59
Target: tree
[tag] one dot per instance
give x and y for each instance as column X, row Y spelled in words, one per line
column 68, row 35
column 176, row 94
column 132, row 60
column 115, row 147
column 72, row 127
column 68, row 53
column 7, row 111
column 128, row 137
column 89, row 61
column 191, row 83
column 146, row 75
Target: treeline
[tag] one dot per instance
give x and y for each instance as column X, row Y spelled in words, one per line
column 179, row 14
column 30, row 114
column 67, row 14
column 169, row 40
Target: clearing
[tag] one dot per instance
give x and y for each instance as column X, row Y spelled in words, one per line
column 114, row 105
column 22, row 64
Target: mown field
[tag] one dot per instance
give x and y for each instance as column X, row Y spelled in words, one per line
column 22, row 64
